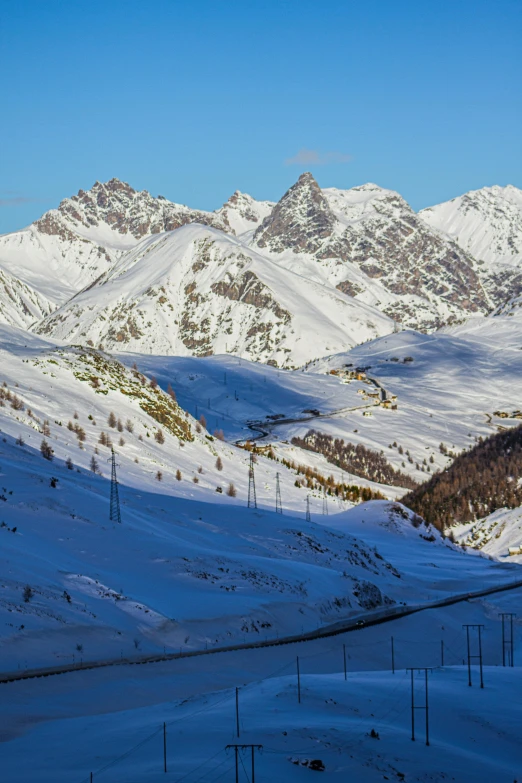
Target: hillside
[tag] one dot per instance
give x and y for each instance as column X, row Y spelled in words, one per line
column 200, row 291
column 20, row 305
column 189, row 563
column 487, row 224
column 482, row 480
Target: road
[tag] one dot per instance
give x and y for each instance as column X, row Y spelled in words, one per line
column 367, row 619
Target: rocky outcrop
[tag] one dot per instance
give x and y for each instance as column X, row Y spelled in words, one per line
column 299, row 222
column 421, row 277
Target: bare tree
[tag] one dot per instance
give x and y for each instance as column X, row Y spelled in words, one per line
column 231, row 491
column 46, row 450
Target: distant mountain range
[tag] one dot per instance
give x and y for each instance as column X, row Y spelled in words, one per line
column 318, row 272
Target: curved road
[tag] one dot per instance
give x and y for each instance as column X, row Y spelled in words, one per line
column 344, row 626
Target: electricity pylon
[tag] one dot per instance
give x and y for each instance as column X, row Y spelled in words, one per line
column 279, row 505
column 252, row 499
column 115, row 515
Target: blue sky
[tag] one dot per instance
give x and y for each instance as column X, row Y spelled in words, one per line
column 193, row 100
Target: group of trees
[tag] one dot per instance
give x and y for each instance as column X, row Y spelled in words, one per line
column 312, row 479
column 356, row 459
column 476, row 484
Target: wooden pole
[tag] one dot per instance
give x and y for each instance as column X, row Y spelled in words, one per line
column 164, row 747
column 237, row 711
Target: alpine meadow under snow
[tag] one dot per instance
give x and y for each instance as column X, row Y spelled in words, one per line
column 283, row 390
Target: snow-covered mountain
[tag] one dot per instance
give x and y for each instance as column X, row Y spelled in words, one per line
column 200, row 291
column 369, row 243
column 68, row 248
column 419, row 269
column 21, row 305
column 487, row 224
column 242, row 213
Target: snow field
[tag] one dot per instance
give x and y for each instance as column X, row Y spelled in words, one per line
column 110, row 721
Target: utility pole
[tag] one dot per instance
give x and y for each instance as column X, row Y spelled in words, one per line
column 419, row 706
column 509, row 641
column 252, row 499
column 164, row 747
column 237, row 712
column 279, row 505
column 114, row 514
column 237, row 748
column 325, row 503
column 479, row 656
column 308, row 516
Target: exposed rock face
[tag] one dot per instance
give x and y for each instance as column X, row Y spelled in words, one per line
column 422, row 278
column 128, row 211
column 198, row 291
column 366, row 243
column 242, row 213
column 487, row 224
column 300, row 221
column 20, row 305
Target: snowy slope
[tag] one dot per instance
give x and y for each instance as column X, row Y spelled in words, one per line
column 369, row 243
column 450, row 393
column 110, row 721
column 71, row 246
column 495, row 534
column 199, row 291
column 21, row 305
column 189, row 565
column 486, row 223
column 242, row 213
column 471, row 738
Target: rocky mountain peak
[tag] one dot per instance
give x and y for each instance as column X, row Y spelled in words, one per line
column 242, row 213
column 299, row 221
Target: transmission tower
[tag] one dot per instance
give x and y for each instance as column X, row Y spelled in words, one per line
column 115, row 498
column 279, row 505
column 325, row 503
column 252, row 500
column 308, row 517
